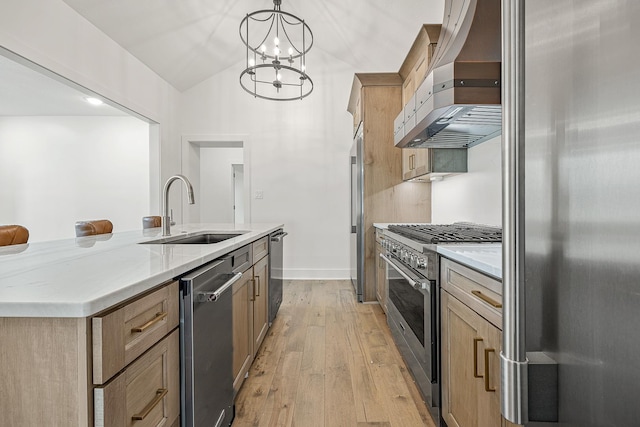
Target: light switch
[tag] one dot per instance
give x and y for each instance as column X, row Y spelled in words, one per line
column 259, row 194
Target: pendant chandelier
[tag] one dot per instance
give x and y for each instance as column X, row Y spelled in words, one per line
column 277, row 43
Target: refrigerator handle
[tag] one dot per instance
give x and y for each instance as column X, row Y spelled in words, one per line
column 513, row 358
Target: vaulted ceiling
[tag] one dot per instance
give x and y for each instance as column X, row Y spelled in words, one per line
column 188, row 41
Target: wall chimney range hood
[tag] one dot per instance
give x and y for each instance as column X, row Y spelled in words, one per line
column 458, row 104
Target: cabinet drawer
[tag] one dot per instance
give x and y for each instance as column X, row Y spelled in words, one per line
column 260, row 248
column 122, row 335
column 481, row 293
column 147, row 393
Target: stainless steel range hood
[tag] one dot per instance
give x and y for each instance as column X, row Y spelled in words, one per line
column 458, row 104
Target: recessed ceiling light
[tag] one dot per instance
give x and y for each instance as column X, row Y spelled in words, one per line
column 94, row 101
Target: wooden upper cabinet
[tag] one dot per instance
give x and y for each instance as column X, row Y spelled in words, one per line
column 415, row 162
column 358, row 103
column 418, row 61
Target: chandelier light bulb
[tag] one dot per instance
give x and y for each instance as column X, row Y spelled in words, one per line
column 303, row 67
column 252, row 62
column 276, row 41
column 290, row 51
column 263, row 48
column 276, row 51
column 278, row 76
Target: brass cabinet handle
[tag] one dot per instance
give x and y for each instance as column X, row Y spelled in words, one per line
column 412, row 162
column 158, row 318
column 475, row 357
column 487, row 299
column 487, row 386
column 162, row 392
column 253, row 290
column 258, row 293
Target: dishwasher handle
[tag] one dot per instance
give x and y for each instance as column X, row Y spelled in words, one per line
column 213, row 296
column 278, row 237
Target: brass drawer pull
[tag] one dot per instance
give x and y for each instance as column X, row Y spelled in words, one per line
column 253, row 290
column 487, row 386
column 487, row 299
column 158, row 318
column 162, row 392
column 258, row 293
column 475, row 357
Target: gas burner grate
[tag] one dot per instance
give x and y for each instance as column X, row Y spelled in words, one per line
column 449, row 233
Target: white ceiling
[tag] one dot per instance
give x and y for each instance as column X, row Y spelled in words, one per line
column 188, row 41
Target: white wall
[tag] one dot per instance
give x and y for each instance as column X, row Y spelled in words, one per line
column 50, row 33
column 299, row 159
column 475, row 196
column 216, row 183
column 57, row 170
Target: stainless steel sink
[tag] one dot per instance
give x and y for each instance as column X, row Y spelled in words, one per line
column 202, row 238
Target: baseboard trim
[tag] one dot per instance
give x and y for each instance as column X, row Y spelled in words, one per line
column 311, row 274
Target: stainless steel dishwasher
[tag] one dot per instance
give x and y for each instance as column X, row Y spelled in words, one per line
column 275, row 272
column 206, row 345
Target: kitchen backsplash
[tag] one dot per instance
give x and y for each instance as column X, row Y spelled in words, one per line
column 475, row 196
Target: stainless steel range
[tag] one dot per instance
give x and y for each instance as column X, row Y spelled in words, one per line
column 414, row 294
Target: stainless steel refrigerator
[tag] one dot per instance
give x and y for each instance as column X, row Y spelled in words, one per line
column 571, row 217
column 357, row 216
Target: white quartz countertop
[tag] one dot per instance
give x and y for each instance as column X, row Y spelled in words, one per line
column 484, row 257
column 83, row 276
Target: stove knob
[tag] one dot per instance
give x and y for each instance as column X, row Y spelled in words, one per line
column 395, row 249
column 421, row 263
column 413, row 260
column 403, row 254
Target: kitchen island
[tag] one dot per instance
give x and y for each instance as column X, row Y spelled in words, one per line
column 82, row 276
column 89, row 326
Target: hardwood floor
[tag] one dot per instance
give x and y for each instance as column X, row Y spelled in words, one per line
column 329, row 361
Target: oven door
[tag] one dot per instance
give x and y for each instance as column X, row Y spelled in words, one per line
column 413, row 300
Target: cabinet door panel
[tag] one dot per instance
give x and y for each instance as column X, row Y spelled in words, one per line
column 242, row 327
column 461, row 364
column 489, row 403
column 261, row 302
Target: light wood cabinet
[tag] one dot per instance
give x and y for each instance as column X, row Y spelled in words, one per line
column 250, row 317
column 377, row 99
column 470, row 367
column 415, row 161
column 260, row 248
column 49, row 366
column 242, row 327
column 260, row 302
column 471, row 319
column 120, row 336
column 146, row 393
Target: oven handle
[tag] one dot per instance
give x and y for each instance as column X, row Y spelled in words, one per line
column 418, row 284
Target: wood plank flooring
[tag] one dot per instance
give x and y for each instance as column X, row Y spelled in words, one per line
column 329, row 361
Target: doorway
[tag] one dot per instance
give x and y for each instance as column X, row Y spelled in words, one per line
column 219, row 169
column 237, row 170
